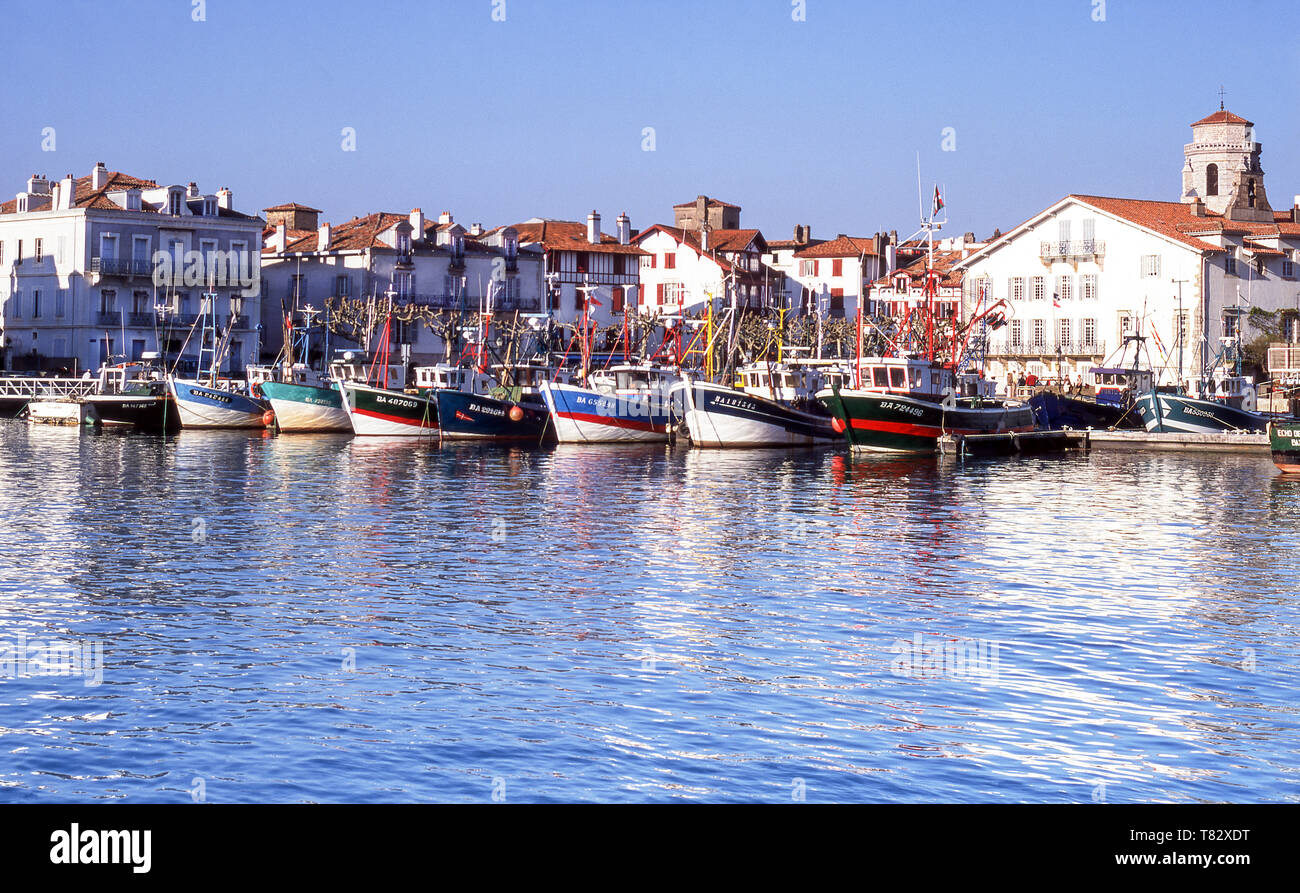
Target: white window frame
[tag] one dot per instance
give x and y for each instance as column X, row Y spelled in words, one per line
column 1039, row 288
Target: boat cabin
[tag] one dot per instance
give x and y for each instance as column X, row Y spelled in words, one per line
column 633, row 379
column 1114, row 385
column 446, row 377
column 357, row 369
column 788, row 382
column 905, row 375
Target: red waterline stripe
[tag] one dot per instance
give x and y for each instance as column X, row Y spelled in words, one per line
column 393, row 418
column 927, row 430
column 611, row 421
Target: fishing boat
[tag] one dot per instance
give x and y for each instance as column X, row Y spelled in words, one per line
column 772, row 405
column 209, row 401
column 1284, row 442
column 380, row 405
column 133, row 395
column 627, row 403
column 1115, row 388
column 302, row 399
column 1220, row 402
column 472, row 407
column 905, row 400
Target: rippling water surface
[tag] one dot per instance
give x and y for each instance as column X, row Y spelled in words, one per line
column 318, row 618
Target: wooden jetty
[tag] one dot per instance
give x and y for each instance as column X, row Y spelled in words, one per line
column 1013, row 443
column 1228, row 441
column 19, row 390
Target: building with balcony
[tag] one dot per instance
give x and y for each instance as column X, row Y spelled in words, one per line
column 78, row 259
column 833, row 277
column 1080, row 276
column 581, row 260
column 687, row 266
column 435, row 265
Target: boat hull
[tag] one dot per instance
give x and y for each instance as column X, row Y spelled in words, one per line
column 200, row 406
column 1055, row 411
column 379, row 412
column 894, row 423
column 1162, row 413
column 1284, row 441
column 581, row 415
column 304, row 408
column 718, row 416
column 145, row 412
column 463, row 416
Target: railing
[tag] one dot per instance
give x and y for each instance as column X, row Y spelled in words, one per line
column 527, row 305
column 596, row 278
column 140, row 320
column 238, row 322
column 111, row 318
column 112, row 266
column 1080, row 250
column 1023, row 348
column 39, row 388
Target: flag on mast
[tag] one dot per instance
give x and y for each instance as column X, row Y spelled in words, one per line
column 938, row 200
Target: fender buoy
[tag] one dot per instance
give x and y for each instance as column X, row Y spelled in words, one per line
column 268, row 418
column 516, row 414
column 837, row 425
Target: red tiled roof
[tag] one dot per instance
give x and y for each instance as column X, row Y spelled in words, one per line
column 1169, row 219
column 96, row 199
column 841, row 246
column 354, row 235
column 726, row 240
column 1223, row 116
column 943, row 265
column 567, row 235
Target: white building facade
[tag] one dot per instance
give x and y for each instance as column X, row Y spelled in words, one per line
column 1085, row 273
column 78, row 259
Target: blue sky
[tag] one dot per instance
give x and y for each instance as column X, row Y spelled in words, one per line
column 542, row 114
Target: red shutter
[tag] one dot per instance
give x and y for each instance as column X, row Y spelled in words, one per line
column 817, row 266
column 837, row 267
column 616, row 300
column 661, row 293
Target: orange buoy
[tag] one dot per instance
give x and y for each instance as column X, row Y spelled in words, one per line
column 837, row 424
column 516, row 414
column 268, row 418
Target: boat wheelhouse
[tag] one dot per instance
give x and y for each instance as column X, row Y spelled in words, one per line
column 628, row 402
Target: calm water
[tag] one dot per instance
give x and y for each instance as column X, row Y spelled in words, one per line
column 318, row 618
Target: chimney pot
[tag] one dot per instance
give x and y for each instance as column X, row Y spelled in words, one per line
column 593, row 228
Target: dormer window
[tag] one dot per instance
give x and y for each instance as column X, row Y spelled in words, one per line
column 209, row 207
column 174, row 203
column 403, row 243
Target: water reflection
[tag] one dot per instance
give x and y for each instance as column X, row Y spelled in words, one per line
column 642, row 622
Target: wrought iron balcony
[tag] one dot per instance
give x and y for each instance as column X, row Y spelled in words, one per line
column 436, row 302
column 1083, row 249
column 1082, row 347
column 113, row 266
column 140, row 320
column 112, row 318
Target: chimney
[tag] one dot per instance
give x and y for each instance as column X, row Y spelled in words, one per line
column 280, row 240
column 593, row 228
column 704, row 237
column 702, row 210
column 68, row 194
column 1295, row 210
column 98, row 176
column 192, row 191
column 225, row 198
column 38, row 185
column 444, row 218
column 323, row 237
column 1197, row 207
column 891, row 257
column 476, row 229
column 624, row 227
column 417, row 224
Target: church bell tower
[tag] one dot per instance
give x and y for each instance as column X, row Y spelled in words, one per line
column 1222, row 168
